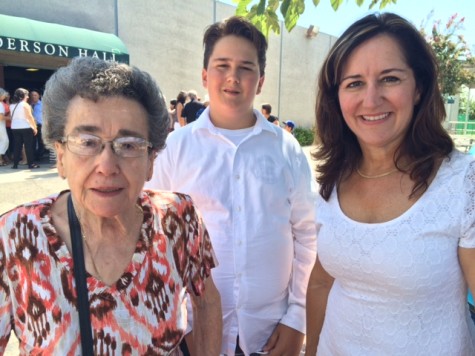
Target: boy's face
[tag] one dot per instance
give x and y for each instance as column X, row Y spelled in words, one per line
column 232, row 78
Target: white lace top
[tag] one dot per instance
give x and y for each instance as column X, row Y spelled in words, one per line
column 399, row 289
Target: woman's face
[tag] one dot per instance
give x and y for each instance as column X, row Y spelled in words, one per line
column 377, row 93
column 105, row 184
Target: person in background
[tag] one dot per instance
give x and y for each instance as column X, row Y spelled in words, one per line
column 396, row 212
column 3, row 130
column 471, row 305
column 180, row 104
column 206, row 101
column 193, row 108
column 471, row 150
column 8, row 156
column 289, row 126
column 141, row 250
column 36, row 105
column 253, row 184
column 266, row 110
column 172, row 115
column 24, row 128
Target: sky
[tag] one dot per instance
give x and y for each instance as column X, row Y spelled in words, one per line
column 417, row 11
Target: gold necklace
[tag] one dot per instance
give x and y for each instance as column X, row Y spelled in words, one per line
column 83, row 235
column 96, row 270
column 377, row 175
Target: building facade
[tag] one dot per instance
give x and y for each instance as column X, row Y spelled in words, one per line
column 163, row 38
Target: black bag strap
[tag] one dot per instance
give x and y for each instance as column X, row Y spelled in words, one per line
column 11, row 116
column 81, row 282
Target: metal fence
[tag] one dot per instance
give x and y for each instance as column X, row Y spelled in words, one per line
column 461, row 127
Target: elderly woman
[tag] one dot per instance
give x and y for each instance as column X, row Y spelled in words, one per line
column 106, row 247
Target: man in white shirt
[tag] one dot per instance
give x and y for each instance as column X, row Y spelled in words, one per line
column 253, row 186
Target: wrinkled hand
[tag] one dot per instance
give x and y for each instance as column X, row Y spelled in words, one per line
column 284, row 341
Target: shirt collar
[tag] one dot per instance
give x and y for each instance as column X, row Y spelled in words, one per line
column 204, row 123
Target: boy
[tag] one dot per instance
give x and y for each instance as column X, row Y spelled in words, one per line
column 253, row 185
column 289, row 126
column 266, row 110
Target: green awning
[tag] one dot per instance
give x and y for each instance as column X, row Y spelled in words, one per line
column 35, row 37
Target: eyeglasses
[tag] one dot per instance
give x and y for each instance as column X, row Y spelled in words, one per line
column 91, row 145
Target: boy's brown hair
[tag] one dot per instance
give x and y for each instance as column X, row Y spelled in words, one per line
column 239, row 27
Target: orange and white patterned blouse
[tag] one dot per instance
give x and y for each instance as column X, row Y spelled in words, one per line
column 143, row 313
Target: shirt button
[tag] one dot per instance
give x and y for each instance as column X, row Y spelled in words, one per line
column 238, row 176
column 238, row 208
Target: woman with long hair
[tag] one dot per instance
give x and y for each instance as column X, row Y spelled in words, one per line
column 3, row 129
column 23, row 127
column 396, row 212
column 180, row 104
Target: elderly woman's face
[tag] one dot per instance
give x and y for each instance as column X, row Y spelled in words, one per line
column 378, row 92
column 107, row 182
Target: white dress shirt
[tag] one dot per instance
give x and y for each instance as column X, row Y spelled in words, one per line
column 257, row 199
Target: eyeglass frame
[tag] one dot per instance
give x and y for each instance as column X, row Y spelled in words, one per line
column 65, row 141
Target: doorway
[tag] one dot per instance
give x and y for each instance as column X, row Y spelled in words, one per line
column 28, row 78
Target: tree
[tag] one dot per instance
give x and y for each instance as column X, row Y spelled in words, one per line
column 453, row 55
column 263, row 14
column 464, row 102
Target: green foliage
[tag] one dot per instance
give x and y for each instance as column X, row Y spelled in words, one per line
column 463, row 108
column 382, row 5
column 291, row 11
column 263, row 14
column 304, row 136
column 453, row 55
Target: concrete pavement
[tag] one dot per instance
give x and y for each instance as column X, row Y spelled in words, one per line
column 22, row 185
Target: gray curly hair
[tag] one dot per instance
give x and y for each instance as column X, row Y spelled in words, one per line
column 3, row 93
column 92, row 79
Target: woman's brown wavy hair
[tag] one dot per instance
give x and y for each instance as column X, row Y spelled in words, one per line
column 338, row 153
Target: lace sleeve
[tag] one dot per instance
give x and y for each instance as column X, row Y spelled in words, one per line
column 467, row 239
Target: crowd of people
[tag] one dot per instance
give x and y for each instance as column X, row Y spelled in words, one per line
column 203, row 241
column 188, row 107
column 21, row 121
